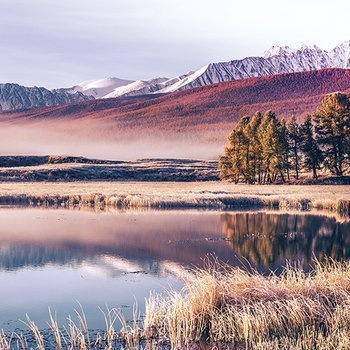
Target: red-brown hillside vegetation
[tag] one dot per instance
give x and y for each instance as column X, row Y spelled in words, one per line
column 208, row 112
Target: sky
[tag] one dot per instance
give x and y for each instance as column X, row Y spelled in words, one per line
column 59, row 43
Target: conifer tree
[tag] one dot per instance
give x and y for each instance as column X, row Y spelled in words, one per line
column 332, row 124
column 313, row 156
column 262, row 148
column 285, row 147
column 228, row 162
column 255, row 147
column 271, row 143
column 294, row 142
column 242, row 154
column 236, row 153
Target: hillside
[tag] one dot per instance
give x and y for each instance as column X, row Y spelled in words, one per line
column 198, row 117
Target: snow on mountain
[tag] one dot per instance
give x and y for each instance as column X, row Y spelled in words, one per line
column 15, row 97
column 101, row 87
column 139, row 87
column 142, row 87
column 278, row 50
column 276, row 60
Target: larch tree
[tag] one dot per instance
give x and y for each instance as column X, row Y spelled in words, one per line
column 263, row 149
column 294, row 144
column 270, row 139
column 332, row 125
column 285, row 147
column 313, row 156
column 255, row 147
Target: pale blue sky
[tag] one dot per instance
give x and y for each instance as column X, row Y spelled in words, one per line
column 58, row 43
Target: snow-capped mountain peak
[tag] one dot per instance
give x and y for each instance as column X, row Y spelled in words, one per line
column 100, row 87
column 276, row 60
column 138, row 87
column 279, row 50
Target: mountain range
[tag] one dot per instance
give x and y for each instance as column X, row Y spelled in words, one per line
column 16, row 97
column 207, row 106
column 191, row 123
column 276, row 60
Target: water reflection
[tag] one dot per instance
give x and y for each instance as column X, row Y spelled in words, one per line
column 55, row 257
column 269, row 240
column 135, row 242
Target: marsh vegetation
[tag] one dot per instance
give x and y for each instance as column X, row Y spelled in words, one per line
column 222, row 307
column 158, row 195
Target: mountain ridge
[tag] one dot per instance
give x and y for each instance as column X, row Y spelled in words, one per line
column 276, row 60
column 17, row 97
column 191, row 123
column 203, row 100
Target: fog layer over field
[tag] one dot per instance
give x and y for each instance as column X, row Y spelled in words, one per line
column 104, row 142
column 192, row 123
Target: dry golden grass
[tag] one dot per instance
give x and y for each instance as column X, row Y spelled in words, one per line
column 217, row 195
column 228, row 308
column 220, row 307
column 118, row 334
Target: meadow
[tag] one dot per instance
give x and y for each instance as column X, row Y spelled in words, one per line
column 206, row 195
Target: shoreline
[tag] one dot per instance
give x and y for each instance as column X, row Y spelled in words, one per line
column 219, row 307
column 175, row 195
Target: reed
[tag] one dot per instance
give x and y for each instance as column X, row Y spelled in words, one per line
column 226, row 308
column 209, row 195
column 220, row 307
column 77, row 335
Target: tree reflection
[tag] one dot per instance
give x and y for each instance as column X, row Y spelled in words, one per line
column 269, row 240
column 266, row 239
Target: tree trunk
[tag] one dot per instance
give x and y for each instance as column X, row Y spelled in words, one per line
column 296, row 163
column 336, row 159
column 282, row 177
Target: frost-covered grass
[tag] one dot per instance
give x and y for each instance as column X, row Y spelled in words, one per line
column 218, row 195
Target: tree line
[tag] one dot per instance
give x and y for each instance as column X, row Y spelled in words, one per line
column 263, row 149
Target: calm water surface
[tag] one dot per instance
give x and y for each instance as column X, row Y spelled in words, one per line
column 54, row 258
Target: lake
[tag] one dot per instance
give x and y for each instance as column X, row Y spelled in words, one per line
column 55, row 257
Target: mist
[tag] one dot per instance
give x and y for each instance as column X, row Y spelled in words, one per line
column 102, row 142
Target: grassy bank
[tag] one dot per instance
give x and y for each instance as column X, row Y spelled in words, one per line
column 211, row 195
column 228, row 308
column 220, row 308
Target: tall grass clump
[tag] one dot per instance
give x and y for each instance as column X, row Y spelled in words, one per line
column 220, row 307
column 224, row 307
column 343, row 206
column 118, row 334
